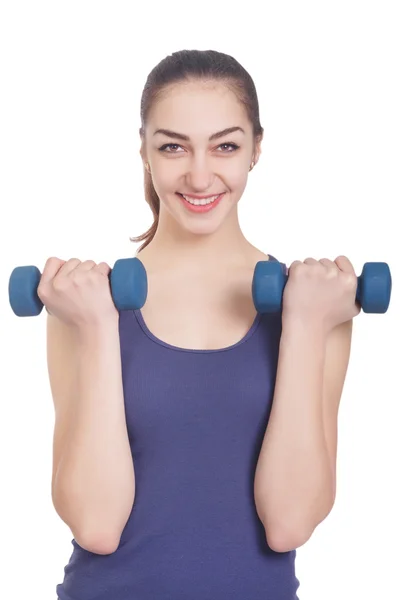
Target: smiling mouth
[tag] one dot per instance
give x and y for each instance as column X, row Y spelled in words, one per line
column 200, row 201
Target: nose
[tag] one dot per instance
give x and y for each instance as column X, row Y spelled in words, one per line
column 200, row 174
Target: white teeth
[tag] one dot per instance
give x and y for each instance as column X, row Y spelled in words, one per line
column 201, row 202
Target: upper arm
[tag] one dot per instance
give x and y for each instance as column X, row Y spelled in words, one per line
column 61, row 365
column 336, row 362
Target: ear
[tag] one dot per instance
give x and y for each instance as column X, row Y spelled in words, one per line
column 142, row 152
column 257, row 150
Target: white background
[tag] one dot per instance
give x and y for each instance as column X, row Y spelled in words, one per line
column 327, row 183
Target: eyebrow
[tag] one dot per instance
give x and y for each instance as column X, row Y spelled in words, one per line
column 186, row 138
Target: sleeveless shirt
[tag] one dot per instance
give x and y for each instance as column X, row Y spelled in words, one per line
column 196, row 421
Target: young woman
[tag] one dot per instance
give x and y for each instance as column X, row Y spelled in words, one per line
column 195, row 439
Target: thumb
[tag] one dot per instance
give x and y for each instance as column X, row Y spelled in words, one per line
column 51, row 268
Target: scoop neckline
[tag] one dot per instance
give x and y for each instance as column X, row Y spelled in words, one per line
column 138, row 314
column 257, row 319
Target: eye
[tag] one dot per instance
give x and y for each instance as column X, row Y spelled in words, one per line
column 233, row 146
column 165, row 146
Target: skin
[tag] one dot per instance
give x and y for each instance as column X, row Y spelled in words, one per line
column 189, row 252
column 199, row 167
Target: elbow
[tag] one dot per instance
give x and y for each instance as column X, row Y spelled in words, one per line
column 93, row 538
column 284, row 539
column 286, row 535
column 97, row 543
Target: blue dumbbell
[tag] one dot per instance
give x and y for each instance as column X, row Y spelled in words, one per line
column 128, row 287
column 373, row 289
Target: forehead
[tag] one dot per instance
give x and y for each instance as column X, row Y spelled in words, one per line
column 197, row 109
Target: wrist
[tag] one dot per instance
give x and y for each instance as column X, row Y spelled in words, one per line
column 309, row 327
column 97, row 329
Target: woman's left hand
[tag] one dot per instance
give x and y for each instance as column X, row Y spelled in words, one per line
column 321, row 291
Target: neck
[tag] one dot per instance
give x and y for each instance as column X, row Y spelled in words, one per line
column 174, row 247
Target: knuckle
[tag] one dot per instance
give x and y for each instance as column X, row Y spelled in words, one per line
column 292, row 269
column 88, row 263
column 71, row 262
column 81, row 277
column 77, row 278
column 315, row 270
column 350, row 280
column 92, row 276
column 297, row 273
column 60, row 284
column 332, row 272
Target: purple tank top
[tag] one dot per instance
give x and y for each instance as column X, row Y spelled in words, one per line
column 196, row 421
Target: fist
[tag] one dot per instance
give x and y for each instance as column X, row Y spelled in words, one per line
column 321, row 292
column 77, row 292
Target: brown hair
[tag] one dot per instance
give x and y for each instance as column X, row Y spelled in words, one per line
column 187, row 66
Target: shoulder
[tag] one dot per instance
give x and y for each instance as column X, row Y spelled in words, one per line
column 260, row 256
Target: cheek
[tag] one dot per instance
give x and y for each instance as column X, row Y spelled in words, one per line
column 239, row 178
column 236, row 173
column 168, row 179
column 237, row 181
column 165, row 183
column 233, row 175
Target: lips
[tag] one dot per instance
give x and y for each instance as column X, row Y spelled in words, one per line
column 200, row 201
column 200, row 197
column 201, row 208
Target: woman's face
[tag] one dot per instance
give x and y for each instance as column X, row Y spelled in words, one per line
column 198, row 165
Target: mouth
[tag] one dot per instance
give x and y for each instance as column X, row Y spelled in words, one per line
column 201, row 205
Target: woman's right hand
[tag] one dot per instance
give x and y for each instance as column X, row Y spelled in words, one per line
column 78, row 293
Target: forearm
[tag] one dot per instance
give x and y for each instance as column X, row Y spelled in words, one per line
column 95, row 485
column 293, row 483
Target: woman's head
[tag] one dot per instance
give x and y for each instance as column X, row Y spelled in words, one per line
column 197, row 94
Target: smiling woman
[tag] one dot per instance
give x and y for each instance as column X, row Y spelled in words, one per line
column 198, row 366
column 208, row 103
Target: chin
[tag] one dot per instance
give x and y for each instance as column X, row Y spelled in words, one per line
column 200, row 228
